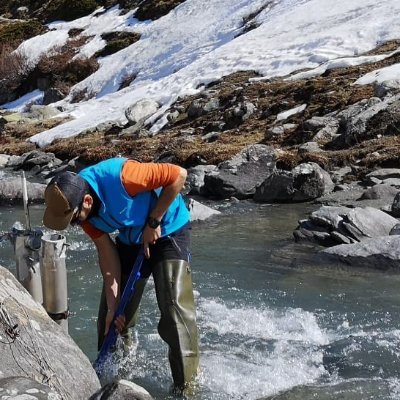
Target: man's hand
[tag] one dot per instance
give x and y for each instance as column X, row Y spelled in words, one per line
column 119, row 322
column 150, row 236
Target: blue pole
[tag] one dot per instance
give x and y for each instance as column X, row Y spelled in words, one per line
column 111, row 337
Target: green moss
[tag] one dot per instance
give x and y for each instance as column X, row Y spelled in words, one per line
column 17, row 32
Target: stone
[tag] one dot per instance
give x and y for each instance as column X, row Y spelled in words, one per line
column 141, row 110
column 305, row 182
column 38, row 347
column 380, row 253
column 121, row 390
column 395, row 210
column 200, row 212
column 240, row 175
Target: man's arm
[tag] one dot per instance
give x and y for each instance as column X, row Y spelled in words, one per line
column 167, row 196
column 111, row 270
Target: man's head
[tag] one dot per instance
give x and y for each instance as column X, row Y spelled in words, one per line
column 64, row 196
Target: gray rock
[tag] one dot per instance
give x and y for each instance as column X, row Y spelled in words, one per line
column 355, row 119
column 383, row 173
column 381, row 253
column 392, row 182
column 380, row 192
column 371, row 222
column 11, row 192
column 141, row 110
column 121, row 390
column 305, row 182
column 274, row 132
column 4, row 159
column 358, row 389
column 52, row 95
column 395, row 230
column 239, row 176
column 19, row 387
column 201, row 107
column 37, row 348
column 200, row 212
column 40, row 112
column 328, row 216
column 390, row 86
column 309, row 147
column 195, row 178
column 396, row 206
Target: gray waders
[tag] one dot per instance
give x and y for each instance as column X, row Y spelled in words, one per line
column 177, row 325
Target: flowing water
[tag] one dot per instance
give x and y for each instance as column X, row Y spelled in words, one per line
column 271, row 321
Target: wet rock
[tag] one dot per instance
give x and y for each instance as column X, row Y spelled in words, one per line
column 395, row 230
column 239, row 176
column 121, row 390
column 359, row 389
column 395, row 211
column 305, row 182
column 381, row 253
column 19, row 387
column 345, row 225
column 200, row 212
column 37, row 347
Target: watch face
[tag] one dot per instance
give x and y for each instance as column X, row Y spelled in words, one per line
column 153, row 223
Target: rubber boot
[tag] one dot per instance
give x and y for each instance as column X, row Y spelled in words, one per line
column 177, row 326
column 131, row 311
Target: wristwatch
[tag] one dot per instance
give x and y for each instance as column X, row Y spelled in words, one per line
column 153, row 223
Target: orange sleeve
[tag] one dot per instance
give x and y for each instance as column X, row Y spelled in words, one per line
column 91, row 231
column 141, row 177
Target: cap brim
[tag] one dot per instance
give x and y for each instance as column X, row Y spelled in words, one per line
column 57, row 222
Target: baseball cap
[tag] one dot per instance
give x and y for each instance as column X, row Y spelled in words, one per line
column 62, row 196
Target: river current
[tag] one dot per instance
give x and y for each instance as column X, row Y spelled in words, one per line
column 272, row 322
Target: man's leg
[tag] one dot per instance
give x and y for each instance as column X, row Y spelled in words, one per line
column 177, row 326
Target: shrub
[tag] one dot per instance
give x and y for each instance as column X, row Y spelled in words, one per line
column 154, row 9
column 116, row 41
column 67, row 10
column 17, row 32
column 13, row 70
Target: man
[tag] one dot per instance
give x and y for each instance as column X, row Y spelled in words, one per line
column 143, row 203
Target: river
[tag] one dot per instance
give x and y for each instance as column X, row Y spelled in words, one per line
column 272, row 323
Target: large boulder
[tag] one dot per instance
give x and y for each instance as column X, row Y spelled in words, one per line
column 33, row 346
column 137, row 113
column 19, row 387
column 330, row 226
column 306, row 182
column 121, row 390
column 11, row 192
column 382, row 253
column 239, row 176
